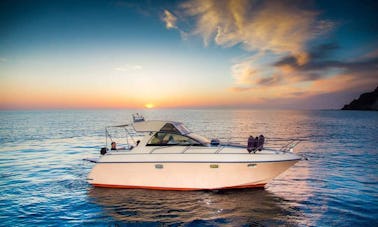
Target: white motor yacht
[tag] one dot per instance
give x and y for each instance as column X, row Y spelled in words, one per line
column 168, row 156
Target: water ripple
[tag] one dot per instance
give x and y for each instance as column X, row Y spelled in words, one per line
column 42, row 175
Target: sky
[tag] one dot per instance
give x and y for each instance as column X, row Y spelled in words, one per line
column 187, row 54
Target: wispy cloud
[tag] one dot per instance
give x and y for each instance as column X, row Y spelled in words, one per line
column 243, row 74
column 169, row 19
column 128, row 68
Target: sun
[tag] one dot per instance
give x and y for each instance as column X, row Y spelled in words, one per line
column 149, row 105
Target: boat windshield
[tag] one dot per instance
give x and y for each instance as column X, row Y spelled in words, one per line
column 175, row 127
column 171, row 139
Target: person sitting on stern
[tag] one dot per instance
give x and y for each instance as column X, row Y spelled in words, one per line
column 114, row 146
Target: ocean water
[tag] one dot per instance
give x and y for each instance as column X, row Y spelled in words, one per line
column 42, row 174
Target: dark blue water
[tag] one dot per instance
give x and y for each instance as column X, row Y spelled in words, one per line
column 42, row 175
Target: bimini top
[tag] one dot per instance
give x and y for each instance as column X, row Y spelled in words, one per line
column 161, row 126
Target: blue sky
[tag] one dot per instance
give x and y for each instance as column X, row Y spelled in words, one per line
column 126, row 54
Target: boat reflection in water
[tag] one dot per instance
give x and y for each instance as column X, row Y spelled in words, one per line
column 226, row 207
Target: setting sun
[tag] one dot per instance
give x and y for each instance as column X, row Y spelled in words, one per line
column 149, row 105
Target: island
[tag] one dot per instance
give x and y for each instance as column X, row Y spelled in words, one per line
column 366, row 101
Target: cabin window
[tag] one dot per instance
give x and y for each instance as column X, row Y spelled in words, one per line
column 171, row 139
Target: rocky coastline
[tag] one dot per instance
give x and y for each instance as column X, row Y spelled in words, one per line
column 366, row 101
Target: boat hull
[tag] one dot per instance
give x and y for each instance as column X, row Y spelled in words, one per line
column 186, row 176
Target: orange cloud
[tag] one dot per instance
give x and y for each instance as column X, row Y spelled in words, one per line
column 299, row 90
column 266, row 27
column 275, row 26
column 243, row 74
column 342, row 82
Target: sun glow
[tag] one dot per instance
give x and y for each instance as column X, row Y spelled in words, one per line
column 149, row 105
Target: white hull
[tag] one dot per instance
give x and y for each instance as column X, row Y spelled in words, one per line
column 189, row 175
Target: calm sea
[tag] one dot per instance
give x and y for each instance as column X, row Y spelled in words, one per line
column 42, row 175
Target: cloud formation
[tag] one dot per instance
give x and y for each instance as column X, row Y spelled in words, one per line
column 320, row 62
column 279, row 28
column 278, row 35
column 276, row 26
column 169, row 19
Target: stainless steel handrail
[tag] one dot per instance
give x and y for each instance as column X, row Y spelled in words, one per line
column 290, row 145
